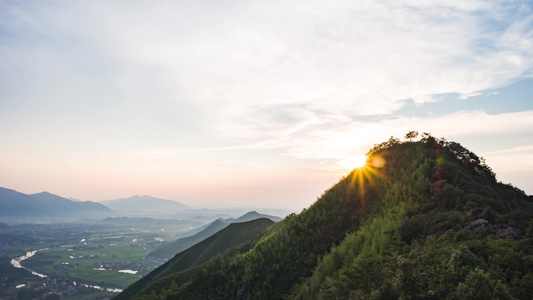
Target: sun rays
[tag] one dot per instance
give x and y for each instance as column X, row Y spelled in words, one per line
column 355, row 161
column 366, row 172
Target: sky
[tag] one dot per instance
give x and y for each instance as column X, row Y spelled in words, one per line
column 253, row 103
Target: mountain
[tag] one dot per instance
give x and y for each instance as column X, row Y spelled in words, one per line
column 68, row 206
column 167, row 251
column 15, row 206
column 231, row 236
column 424, row 220
column 252, row 215
column 145, row 204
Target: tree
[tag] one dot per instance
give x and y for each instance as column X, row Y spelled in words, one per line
column 411, row 135
column 478, row 285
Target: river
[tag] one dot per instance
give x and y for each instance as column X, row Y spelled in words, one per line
column 16, row 263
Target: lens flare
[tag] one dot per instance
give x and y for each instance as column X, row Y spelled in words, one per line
column 377, row 162
column 354, row 162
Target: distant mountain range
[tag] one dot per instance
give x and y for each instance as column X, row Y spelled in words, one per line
column 18, row 206
column 145, row 204
column 167, row 251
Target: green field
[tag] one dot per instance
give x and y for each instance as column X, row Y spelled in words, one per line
column 101, row 252
column 83, row 253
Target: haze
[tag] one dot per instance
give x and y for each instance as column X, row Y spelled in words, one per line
column 253, row 103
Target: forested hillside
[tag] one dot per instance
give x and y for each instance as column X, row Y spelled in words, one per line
column 424, row 219
column 167, row 251
column 239, row 235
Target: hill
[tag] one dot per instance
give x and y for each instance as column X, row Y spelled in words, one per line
column 165, row 252
column 423, row 219
column 252, row 215
column 16, row 206
column 144, row 204
column 231, row 236
column 168, row 251
column 65, row 205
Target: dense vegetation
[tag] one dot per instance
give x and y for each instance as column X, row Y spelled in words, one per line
column 236, row 234
column 167, row 251
column 424, row 220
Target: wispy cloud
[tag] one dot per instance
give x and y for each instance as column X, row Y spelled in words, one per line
column 270, row 85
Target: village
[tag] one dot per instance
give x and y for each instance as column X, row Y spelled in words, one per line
column 54, row 288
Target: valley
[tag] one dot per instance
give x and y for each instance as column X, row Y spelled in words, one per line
column 93, row 259
column 104, row 255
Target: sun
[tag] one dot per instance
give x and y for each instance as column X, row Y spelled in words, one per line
column 353, row 162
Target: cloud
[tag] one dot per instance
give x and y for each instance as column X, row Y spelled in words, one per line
column 338, row 140
column 231, row 62
column 265, row 84
column 255, row 53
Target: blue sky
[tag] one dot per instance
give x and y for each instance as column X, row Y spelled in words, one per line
column 253, row 103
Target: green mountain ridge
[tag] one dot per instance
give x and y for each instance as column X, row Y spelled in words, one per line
column 167, row 251
column 175, row 247
column 232, row 235
column 422, row 220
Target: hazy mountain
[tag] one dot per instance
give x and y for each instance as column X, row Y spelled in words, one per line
column 132, row 221
column 252, row 215
column 422, row 220
column 145, row 204
column 233, row 235
column 167, row 251
column 15, row 204
column 18, row 206
column 57, row 202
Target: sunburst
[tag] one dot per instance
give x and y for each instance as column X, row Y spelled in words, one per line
column 353, row 162
column 366, row 173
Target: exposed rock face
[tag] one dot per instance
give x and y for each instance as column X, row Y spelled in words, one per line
column 449, row 231
column 510, row 233
column 503, row 231
column 479, row 223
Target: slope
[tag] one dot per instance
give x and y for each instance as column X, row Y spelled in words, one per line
column 252, row 215
column 64, row 205
column 16, row 206
column 233, row 235
column 422, row 219
column 165, row 252
column 168, row 251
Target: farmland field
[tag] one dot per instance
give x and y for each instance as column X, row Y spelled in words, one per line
column 108, row 254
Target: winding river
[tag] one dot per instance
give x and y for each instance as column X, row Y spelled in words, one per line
column 16, row 263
